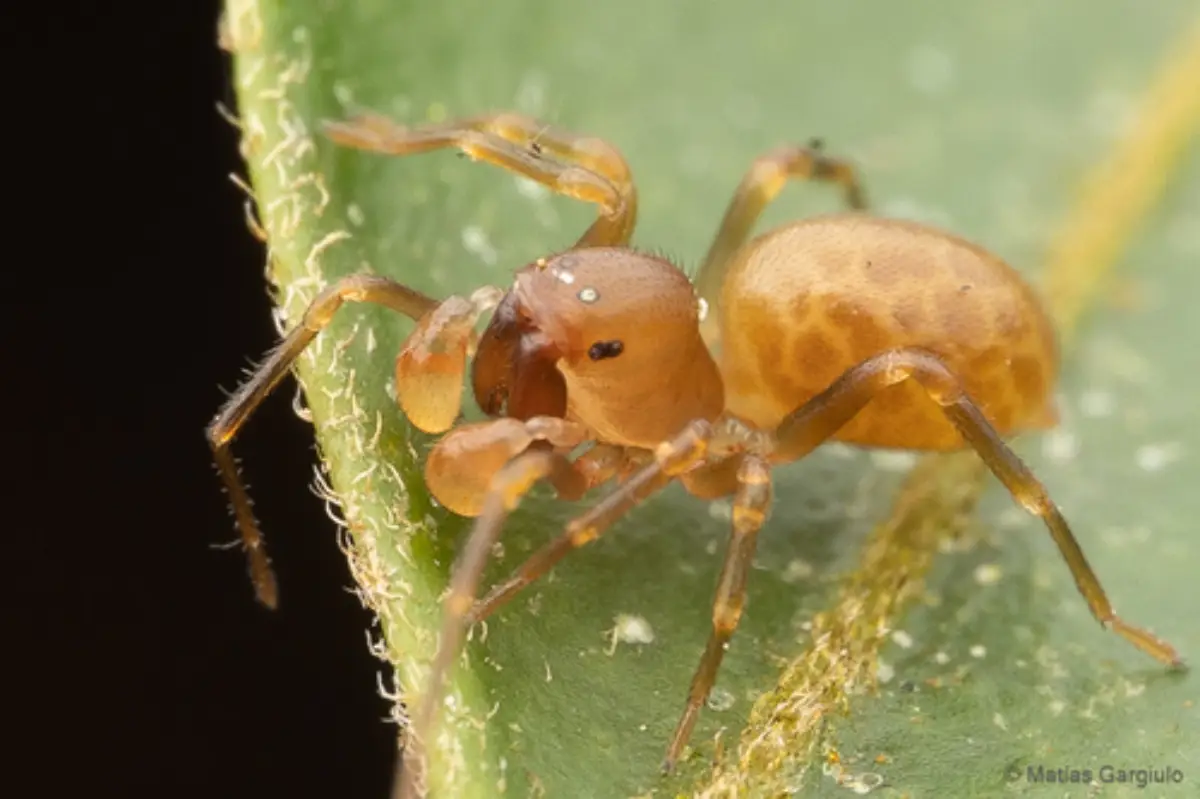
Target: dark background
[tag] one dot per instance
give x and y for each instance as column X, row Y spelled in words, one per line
column 135, row 293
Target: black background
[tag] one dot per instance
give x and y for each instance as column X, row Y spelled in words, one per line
column 135, row 292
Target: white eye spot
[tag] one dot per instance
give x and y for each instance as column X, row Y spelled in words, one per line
column 564, row 276
column 588, row 294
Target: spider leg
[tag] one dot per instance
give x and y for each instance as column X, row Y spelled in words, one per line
column 751, row 504
column 823, row 415
column 582, row 167
column 670, row 460
column 234, row 413
column 761, row 184
column 508, row 486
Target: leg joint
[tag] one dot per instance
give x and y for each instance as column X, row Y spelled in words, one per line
column 747, row 519
column 1034, row 498
column 685, row 450
column 459, row 604
column 726, row 615
column 581, row 533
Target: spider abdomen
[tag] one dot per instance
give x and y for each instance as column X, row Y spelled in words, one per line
column 804, row 302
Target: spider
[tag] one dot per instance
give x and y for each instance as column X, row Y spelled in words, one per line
column 872, row 331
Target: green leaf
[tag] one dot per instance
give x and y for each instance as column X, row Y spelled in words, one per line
column 979, row 117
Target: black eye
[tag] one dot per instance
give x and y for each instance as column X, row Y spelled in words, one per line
column 605, row 349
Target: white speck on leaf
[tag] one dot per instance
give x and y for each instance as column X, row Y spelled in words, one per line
column 629, row 629
column 988, row 574
column 902, row 639
column 1134, row 688
column 978, row 651
column 475, row 241
column 797, row 570
column 1060, row 445
column 720, row 509
column 1156, row 457
column 893, row 460
column 863, row 784
column 1114, row 537
column 1097, row 404
column 836, row 449
column 720, row 700
column 527, row 187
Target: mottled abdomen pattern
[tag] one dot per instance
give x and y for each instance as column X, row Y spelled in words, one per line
column 805, row 302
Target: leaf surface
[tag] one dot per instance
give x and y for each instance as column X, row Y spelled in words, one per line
column 982, row 118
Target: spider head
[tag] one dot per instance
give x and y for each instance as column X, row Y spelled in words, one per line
column 608, row 335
